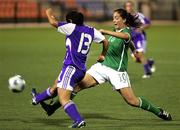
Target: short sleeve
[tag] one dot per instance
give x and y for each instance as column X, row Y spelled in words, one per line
column 66, row 28
column 98, row 37
column 143, row 19
column 147, row 21
column 127, row 31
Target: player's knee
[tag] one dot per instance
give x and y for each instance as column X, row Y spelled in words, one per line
column 132, row 101
column 56, row 81
column 53, row 91
column 64, row 96
column 77, row 88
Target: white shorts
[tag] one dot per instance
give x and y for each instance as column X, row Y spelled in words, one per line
column 102, row 73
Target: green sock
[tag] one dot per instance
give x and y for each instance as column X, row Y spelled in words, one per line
column 144, row 104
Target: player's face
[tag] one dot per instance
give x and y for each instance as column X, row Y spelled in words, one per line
column 129, row 7
column 118, row 21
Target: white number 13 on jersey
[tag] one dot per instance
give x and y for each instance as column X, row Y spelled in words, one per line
column 86, row 43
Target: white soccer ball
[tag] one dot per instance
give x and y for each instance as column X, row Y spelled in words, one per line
column 16, row 83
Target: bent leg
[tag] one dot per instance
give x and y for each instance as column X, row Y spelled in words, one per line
column 87, row 82
column 45, row 95
column 144, row 61
column 131, row 99
column 68, row 105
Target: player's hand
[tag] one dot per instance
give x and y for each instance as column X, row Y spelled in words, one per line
column 102, row 31
column 48, row 10
column 101, row 58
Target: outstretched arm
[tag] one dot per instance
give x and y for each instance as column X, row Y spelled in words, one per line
column 103, row 53
column 51, row 17
column 115, row 34
column 145, row 25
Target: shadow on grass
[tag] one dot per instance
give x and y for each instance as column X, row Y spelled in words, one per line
column 44, row 121
column 112, row 122
column 100, row 120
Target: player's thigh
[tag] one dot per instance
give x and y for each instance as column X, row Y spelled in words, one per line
column 69, row 77
column 87, row 82
column 95, row 75
column 119, row 80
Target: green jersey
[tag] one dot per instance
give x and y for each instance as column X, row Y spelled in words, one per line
column 117, row 56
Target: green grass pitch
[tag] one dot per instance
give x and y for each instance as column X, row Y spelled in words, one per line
column 37, row 55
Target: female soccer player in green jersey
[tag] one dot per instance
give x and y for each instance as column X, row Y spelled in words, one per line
column 114, row 67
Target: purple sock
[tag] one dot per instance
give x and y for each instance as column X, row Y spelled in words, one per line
column 71, row 110
column 43, row 95
column 147, row 69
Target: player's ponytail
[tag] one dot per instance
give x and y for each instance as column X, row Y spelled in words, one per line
column 128, row 19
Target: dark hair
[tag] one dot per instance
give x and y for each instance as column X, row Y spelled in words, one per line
column 75, row 17
column 130, row 20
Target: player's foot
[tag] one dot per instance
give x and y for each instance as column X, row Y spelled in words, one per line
column 152, row 65
column 80, row 124
column 164, row 115
column 146, row 76
column 34, row 93
column 153, row 68
column 47, row 108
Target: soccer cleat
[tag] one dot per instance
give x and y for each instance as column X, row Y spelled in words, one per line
column 151, row 64
column 47, row 108
column 77, row 124
column 146, row 76
column 34, row 93
column 153, row 68
column 164, row 115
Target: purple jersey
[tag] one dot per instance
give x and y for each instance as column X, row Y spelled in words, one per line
column 143, row 20
column 139, row 38
column 78, row 42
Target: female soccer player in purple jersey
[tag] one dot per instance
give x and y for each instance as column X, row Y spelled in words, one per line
column 114, row 68
column 139, row 39
column 78, row 41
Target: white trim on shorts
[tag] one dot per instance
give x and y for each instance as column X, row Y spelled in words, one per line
column 102, row 74
column 65, row 82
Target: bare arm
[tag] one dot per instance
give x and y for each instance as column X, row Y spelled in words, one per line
column 105, row 47
column 145, row 26
column 104, row 51
column 131, row 46
column 133, row 49
column 51, row 17
column 115, row 34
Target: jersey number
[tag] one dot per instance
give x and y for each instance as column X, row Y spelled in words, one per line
column 86, row 43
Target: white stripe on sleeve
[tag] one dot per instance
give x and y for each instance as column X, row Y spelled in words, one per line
column 98, row 37
column 66, row 29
